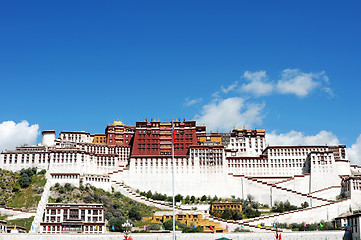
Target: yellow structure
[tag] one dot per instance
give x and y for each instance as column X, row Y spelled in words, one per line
column 250, row 132
column 100, row 138
column 221, row 206
column 188, row 219
column 211, row 137
column 118, row 123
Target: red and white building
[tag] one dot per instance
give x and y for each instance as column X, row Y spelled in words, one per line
column 119, row 134
column 73, row 218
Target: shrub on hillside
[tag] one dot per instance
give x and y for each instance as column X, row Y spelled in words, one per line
column 116, row 224
column 134, row 213
column 153, row 226
column 192, row 229
column 238, row 229
column 178, row 198
column 305, row 205
column 168, row 225
column 26, row 177
column 281, row 207
column 68, row 186
column 249, row 212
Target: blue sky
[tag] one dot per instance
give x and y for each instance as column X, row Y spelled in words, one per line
column 78, row 65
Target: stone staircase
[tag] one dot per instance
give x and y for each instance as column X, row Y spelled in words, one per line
column 292, row 178
column 273, row 185
column 41, row 206
column 232, row 225
column 128, row 192
column 323, row 189
column 277, row 215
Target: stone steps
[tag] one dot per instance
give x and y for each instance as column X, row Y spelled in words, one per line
column 283, row 188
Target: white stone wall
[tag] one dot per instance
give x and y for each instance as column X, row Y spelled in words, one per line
column 311, row 215
column 65, row 178
column 80, row 137
column 329, row 193
column 300, row 183
column 48, row 138
column 98, row 181
column 245, row 146
column 156, row 174
column 323, row 171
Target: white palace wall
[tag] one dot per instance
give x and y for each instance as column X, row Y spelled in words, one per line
column 298, row 183
column 62, row 179
column 329, row 193
column 320, row 167
column 310, row 215
column 156, row 174
column 205, row 181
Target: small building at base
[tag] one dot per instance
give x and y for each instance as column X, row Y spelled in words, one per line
column 73, row 218
column 354, row 226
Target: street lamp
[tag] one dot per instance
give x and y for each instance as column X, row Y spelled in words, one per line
column 127, row 225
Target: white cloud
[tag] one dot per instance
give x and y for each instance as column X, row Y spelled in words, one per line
column 293, row 81
column 13, row 135
column 224, row 114
column 230, row 87
column 257, row 83
column 329, row 92
column 299, row 138
column 354, row 152
column 190, row 102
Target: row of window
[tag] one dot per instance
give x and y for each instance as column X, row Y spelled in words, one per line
column 75, row 229
column 73, row 211
column 206, row 150
column 165, row 163
column 265, row 165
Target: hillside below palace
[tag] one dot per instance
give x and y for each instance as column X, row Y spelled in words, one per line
column 236, row 163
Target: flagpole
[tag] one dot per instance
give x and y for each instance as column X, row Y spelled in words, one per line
column 173, row 137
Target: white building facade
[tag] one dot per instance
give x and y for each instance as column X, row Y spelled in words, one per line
column 73, row 218
column 244, row 165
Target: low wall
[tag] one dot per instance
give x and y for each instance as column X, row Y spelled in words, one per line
column 309, row 215
column 322, row 235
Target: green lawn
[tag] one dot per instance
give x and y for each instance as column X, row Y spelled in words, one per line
column 22, row 222
column 12, row 195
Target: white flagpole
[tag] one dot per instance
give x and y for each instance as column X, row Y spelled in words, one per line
column 173, row 137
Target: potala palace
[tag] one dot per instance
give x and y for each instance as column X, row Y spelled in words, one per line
column 237, row 163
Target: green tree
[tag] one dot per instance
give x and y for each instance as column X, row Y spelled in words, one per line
column 187, row 199
column 204, row 198
column 178, row 198
column 237, row 215
column 191, row 229
column 68, row 186
column 249, row 212
column 168, row 225
column 153, row 226
column 117, row 224
column 26, row 177
column 118, row 195
column 305, row 205
column 149, row 194
column 227, row 214
column 134, row 213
